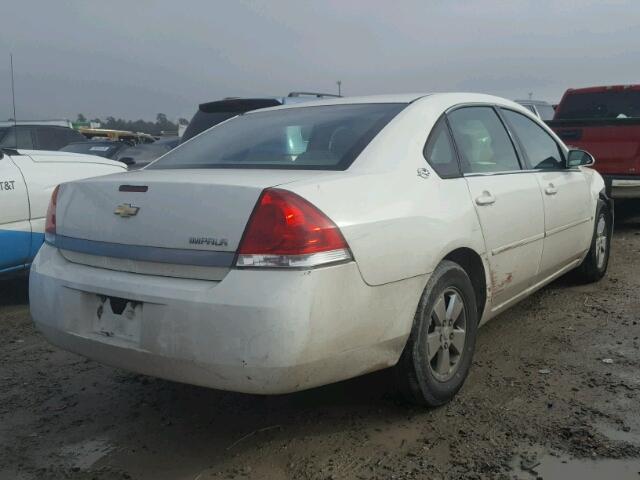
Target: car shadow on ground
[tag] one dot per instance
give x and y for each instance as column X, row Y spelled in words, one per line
column 14, row 291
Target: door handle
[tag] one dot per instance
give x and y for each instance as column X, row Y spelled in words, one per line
column 485, row 199
column 551, row 189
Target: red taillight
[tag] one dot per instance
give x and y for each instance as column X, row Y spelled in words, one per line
column 285, row 230
column 50, row 225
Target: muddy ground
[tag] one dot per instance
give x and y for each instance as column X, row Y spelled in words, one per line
column 540, row 402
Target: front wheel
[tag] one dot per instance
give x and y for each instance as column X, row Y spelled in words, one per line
column 438, row 354
column 594, row 266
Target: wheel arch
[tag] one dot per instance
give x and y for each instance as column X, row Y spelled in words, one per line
column 472, row 263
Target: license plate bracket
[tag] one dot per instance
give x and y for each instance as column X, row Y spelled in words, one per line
column 118, row 318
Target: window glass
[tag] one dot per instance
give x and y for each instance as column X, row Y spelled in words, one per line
column 25, row 141
column 439, row 152
column 616, row 103
column 541, row 149
column 74, row 136
column 322, row 138
column 546, row 111
column 50, row 138
column 482, row 140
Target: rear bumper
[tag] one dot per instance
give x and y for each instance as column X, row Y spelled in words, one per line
column 622, row 186
column 264, row 332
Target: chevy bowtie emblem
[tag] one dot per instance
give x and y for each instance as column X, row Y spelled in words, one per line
column 126, row 210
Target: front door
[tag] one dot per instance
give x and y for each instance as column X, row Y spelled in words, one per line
column 15, row 228
column 565, row 192
column 507, row 200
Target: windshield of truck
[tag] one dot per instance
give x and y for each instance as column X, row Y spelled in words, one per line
column 320, row 137
column 594, row 105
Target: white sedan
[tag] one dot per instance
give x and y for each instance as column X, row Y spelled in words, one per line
column 27, row 178
column 302, row 245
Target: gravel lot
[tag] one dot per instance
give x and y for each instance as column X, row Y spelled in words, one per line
column 554, row 393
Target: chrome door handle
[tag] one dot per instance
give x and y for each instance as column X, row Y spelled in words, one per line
column 485, row 199
column 551, row 189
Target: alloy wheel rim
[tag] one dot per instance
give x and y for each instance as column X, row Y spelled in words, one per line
column 446, row 334
column 601, row 241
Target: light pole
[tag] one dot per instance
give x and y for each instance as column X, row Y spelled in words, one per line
column 339, row 83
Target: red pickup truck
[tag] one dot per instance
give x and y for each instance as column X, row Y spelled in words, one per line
column 605, row 121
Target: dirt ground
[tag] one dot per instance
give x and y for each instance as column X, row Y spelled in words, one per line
column 554, row 391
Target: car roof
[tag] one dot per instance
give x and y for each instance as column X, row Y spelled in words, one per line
column 532, row 102
column 604, row 88
column 452, row 97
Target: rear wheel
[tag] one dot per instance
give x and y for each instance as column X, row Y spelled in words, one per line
column 438, row 354
column 594, row 266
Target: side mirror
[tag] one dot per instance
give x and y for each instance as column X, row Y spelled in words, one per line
column 580, row 158
column 127, row 160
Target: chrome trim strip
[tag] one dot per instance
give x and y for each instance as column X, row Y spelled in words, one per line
column 526, row 241
column 512, row 172
column 553, row 231
column 519, row 243
column 204, row 258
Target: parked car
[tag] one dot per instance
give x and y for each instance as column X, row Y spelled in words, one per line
column 116, row 135
column 139, row 156
column 212, row 113
column 606, row 122
column 301, row 245
column 37, row 136
column 27, row 179
column 543, row 110
column 102, row 148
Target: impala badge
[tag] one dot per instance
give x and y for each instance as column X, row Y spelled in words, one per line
column 126, row 210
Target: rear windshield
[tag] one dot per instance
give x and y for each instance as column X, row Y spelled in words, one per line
column 609, row 104
column 307, row 138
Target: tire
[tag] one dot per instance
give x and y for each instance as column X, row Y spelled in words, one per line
column 428, row 378
column 595, row 264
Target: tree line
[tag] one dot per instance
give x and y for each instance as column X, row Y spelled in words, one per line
column 162, row 124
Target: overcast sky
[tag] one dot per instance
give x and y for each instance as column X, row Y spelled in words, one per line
column 134, row 59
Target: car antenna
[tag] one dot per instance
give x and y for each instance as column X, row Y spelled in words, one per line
column 13, row 96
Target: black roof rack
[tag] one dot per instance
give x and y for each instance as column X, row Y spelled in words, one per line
column 313, row 94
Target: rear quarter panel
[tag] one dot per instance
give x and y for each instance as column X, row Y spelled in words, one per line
column 397, row 223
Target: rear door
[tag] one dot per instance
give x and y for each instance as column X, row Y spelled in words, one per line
column 15, row 228
column 565, row 192
column 507, row 199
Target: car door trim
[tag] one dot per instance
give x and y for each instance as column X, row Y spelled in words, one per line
column 178, row 256
column 562, row 228
column 519, row 243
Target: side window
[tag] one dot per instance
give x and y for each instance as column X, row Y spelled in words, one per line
column 73, row 136
column 482, row 140
column 25, row 140
column 439, row 152
column 541, row 149
column 50, row 138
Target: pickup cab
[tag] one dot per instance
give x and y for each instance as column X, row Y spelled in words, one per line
column 27, row 179
column 605, row 121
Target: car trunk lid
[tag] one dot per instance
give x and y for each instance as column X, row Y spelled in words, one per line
column 185, row 223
